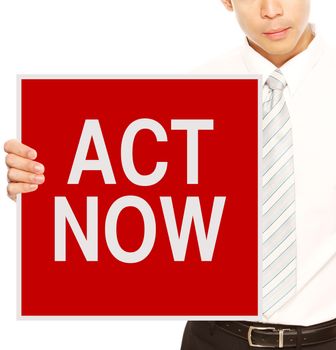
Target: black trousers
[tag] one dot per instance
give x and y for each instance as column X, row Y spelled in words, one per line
column 206, row 335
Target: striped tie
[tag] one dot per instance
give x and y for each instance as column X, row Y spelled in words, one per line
column 278, row 195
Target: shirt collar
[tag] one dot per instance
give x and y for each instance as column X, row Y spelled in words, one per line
column 294, row 70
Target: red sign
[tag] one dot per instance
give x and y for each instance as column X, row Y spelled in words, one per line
column 150, row 204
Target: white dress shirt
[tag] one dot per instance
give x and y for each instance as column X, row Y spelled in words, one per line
column 311, row 100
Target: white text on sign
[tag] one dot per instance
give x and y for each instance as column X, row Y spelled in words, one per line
column 88, row 242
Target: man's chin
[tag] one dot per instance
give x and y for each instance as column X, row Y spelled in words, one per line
column 277, row 49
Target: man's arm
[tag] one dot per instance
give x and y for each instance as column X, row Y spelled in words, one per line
column 24, row 173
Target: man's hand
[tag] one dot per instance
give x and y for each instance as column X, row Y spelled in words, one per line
column 24, row 174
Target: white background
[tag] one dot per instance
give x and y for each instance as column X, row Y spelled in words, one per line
column 101, row 37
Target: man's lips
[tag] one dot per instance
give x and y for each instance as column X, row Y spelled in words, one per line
column 277, row 33
column 278, row 30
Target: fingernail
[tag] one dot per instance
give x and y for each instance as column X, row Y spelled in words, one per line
column 39, row 179
column 38, row 168
column 32, row 154
column 33, row 187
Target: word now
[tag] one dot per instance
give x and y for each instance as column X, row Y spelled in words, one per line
column 92, row 130
column 88, row 242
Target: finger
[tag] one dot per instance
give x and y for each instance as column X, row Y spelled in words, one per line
column 18, row 148
column 14, row 161
column 16, row 175
column 13, row 189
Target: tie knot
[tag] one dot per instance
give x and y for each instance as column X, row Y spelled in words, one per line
column 276, row 81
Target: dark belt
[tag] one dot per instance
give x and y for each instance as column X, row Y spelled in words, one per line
column 279, row 335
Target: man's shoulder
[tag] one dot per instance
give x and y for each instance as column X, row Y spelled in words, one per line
column 330, row 53
column 326, row 63
column 230, row 62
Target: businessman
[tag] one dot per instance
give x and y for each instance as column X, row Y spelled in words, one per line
column 298, row 180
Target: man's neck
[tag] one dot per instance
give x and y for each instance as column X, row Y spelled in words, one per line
column 279, row 60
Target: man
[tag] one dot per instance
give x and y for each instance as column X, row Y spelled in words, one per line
column 299, row 181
